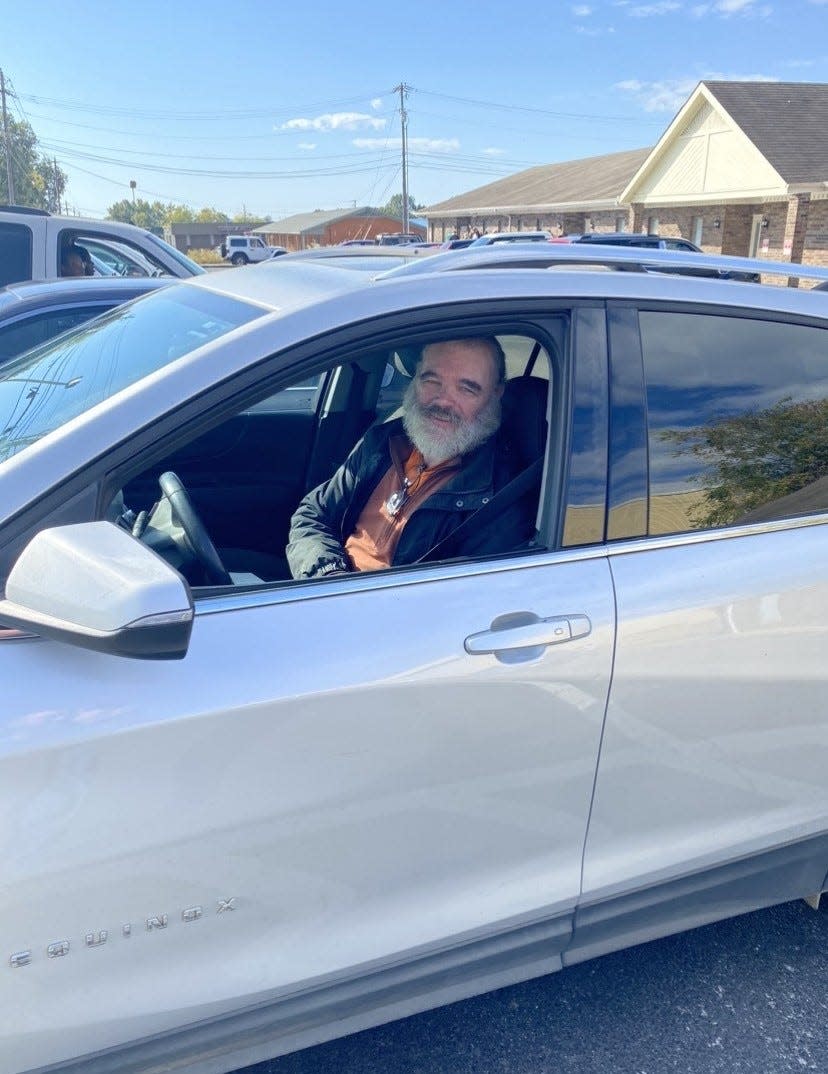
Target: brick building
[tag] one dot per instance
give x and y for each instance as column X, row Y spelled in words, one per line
column 742, row 169
column 572, row 196
column 204, row 235
column 329, row 227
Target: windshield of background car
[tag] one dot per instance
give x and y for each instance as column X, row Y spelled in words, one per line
column 185, row 262
column 70, row 374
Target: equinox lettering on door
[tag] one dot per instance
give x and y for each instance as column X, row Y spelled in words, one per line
column 98, row 937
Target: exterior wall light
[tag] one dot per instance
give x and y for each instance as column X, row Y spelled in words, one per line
column 717, row 223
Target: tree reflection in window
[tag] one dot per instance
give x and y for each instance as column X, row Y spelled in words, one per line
column 754, row 463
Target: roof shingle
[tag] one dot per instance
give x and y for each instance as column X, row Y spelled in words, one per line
column 570, row 182
column 786, row 121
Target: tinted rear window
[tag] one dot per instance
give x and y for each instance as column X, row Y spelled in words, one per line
column 15, row 253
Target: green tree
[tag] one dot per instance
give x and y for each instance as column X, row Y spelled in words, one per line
column 38, row 182
column 207, row 215
column 179, row 214
column 146, row 214
column 757, row 457
column 394, row 206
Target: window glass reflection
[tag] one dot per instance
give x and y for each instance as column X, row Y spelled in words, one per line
column 738, row 420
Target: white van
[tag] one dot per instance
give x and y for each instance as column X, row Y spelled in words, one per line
column 32, row 241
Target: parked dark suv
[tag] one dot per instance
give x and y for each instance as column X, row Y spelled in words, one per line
column 658, row 242
column 630, row 238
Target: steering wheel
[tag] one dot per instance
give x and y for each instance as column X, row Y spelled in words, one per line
column 197, row 540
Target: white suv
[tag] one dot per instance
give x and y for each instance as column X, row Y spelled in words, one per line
column 32, row 241
column 242, row 249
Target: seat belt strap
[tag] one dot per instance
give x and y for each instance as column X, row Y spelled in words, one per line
column 506, row 496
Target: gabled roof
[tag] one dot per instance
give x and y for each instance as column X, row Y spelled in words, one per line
column 319, row 218
column 573, row 184
column 786, row 121
column 753, row 140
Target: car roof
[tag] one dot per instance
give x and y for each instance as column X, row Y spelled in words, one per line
column 513, row 236
column 401, row 250
column 374, row 259
column 81, row 288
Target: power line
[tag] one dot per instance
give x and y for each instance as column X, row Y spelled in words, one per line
column 533, row 111
column 209, row 115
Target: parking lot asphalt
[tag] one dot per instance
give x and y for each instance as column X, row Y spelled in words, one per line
column 745, row 996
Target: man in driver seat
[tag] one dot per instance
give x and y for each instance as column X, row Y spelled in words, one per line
column 410, row 483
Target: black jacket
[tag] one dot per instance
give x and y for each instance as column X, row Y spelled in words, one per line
column 326, row 517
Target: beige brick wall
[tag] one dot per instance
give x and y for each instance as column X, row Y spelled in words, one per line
column 796, row 229
column 816, row 235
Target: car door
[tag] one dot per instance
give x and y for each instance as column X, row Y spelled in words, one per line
column 711, row 794
column 353, row 798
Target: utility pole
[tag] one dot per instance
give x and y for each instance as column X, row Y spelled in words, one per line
column 7, row 139
column 403, row 90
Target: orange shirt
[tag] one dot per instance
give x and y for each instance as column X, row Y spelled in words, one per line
column 402, row 489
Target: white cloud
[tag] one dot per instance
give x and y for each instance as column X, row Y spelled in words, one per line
column 307, row 145
column 670, row 94
column 376, row 104
column 581, row 11
column 333, row 121
column 424, row 145
column 646, row 11
column 493, row 151
column 594, row 31
column 726, row 8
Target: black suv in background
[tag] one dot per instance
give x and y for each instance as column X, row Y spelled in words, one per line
column 657, row 242
column 630, row 238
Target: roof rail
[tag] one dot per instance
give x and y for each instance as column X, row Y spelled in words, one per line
column 540, row 255
column 24, row 209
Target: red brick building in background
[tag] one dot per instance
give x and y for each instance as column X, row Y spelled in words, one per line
column 329, row 227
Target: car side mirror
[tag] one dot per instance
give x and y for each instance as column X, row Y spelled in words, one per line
column 95, row 586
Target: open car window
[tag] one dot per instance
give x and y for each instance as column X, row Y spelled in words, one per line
column 245, row 478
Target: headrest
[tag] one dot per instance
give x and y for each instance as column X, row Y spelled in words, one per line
column 524, row 427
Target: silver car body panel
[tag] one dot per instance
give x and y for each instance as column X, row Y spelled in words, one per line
column 356, row 810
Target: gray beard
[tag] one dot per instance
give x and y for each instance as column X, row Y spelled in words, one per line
column 461, row 437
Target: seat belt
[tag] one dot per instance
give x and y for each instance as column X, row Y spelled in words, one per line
column 504, row 498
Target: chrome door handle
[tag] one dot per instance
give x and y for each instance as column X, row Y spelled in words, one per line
column 527, row 633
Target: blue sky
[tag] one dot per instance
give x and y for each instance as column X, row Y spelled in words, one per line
column 276, row 108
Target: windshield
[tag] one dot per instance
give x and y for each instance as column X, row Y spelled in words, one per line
column 70, row 374
column 192, row 268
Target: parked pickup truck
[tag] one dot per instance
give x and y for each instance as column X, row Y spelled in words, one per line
column 242, row 249
column 32, row 242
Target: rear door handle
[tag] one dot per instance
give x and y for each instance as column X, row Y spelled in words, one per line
column 524, row 635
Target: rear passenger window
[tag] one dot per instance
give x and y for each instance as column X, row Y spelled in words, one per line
column 30, row 332
column 15, row 253
column 737, row 420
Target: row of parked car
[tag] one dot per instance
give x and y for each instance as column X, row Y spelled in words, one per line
column 245, row 813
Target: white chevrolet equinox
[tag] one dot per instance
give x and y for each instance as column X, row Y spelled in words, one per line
column 242, row 813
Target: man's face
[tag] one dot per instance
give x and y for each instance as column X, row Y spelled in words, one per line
column 453, row 403
column 73, row 266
